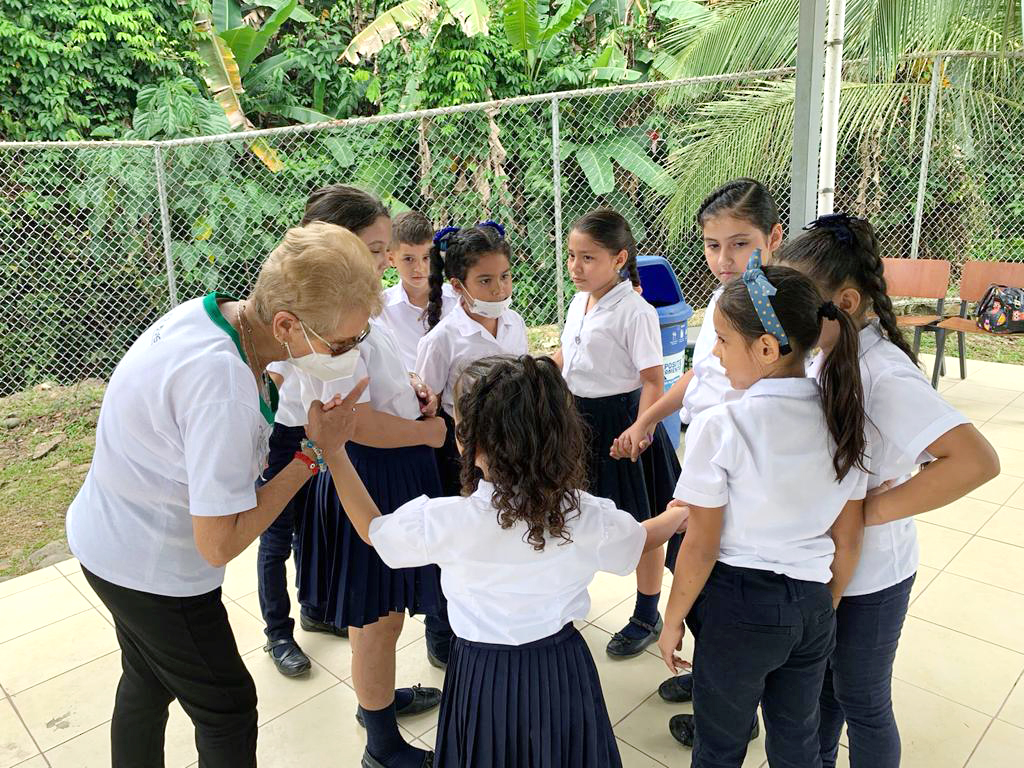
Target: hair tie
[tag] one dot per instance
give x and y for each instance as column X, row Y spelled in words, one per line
column 829, row 311
column 493, row 225
column 442, row 236
column 761, row 291
column 836, row 223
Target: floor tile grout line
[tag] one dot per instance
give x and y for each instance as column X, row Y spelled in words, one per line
column 70, row 615
column 966, row 634
column 621, row 720
column 26, row 589
column 17, row 713
column 976, row 581
column 1020, row 681
column 977, row 744
column 304, row 701
column 66, row 671
column 996, row 511
column 943, row 696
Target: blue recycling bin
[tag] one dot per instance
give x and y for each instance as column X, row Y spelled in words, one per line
column 662, row 291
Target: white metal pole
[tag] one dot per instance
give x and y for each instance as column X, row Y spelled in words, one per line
column 556, row 178
column 830, row 108
column 165, row 225
column 810, row 69
column 926, row 154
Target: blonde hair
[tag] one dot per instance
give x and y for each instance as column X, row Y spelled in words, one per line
column 318, row 272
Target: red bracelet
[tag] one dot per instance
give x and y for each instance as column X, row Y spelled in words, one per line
column 311, row 464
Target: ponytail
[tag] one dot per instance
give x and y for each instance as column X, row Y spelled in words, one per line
column 838, row 249
column 798, row 309
column 435, row 302
column 842, row 394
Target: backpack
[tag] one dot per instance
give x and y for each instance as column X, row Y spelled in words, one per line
column 1001, row 310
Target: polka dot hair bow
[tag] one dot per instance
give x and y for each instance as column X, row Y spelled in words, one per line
column 761, row 291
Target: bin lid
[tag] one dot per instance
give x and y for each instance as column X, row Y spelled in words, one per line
column 660, row 286
column 675, row 313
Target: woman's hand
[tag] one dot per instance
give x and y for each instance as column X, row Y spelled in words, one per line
column 333, row 424
column 436, row 431
column 670, row 641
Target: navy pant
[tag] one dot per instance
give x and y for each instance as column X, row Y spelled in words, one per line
column 276, row 542
column 858, row 683
column 761, row 637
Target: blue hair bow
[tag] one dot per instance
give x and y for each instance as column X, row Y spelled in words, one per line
column 495, row 226
column 442, row 236
column 761, row 291
column 836, row 223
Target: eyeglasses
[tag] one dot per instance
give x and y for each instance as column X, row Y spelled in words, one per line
column 341, row 347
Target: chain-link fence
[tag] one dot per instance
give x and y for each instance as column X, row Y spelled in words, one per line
column 99, row 239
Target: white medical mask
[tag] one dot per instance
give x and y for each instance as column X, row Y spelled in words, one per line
column 325, row 367
column 489, row 309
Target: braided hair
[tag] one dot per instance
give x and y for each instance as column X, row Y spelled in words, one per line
column 610, row 230
column 456, row 250
column 838, row 248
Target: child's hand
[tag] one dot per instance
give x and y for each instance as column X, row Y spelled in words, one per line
column 429, row 401
column 670, row 641
column 679, row 508
column 873, row 504
column 332, row 425
column 435, row 430
column 631, row 443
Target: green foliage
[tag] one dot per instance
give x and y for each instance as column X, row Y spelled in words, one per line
column 70, row 68
column 175, row 109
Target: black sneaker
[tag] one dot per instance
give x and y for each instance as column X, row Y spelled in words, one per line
column 623, row 647
column 423, row 700
column 312, row 625
column 288, row 657
column 682, row 729
column 678, row 689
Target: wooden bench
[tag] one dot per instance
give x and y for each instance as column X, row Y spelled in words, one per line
column 975, row 280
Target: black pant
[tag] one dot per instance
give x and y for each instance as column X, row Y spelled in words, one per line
column 761, row 637
column 178, row 648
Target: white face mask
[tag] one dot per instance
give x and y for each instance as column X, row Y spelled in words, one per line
column 489, row 309
column 325, row 367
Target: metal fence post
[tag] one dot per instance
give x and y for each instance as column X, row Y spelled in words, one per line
column 926, row 153
column 556, row 177
column 165, row 224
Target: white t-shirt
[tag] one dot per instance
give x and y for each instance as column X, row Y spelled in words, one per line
column 767, row 458
column 905, row 416
column 709, row 385
column 458, row 340
column 182, row 433
column 299, row 390
column 499, row 588
column 604, row 350
column 408, row 322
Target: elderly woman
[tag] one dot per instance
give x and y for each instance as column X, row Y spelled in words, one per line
column 171, row 498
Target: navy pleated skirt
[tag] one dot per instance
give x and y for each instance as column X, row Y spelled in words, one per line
column 643, row 488
column 449, row 461
column 337, row 569
column 537, row 705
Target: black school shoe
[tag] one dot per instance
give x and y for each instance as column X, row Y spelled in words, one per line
column 677, row 690
column 288, row 657
column 682, row 729
column 623, row 647
column 312, row 625
column 423, row 700
column 369, row 761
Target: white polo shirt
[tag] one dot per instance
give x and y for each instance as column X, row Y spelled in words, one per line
column 499, row 588
column 709, row 385
column 408, row 322
column 905, row 416
column 458, row 340
column 767, row 458
column 604, row 350
column 182, row 433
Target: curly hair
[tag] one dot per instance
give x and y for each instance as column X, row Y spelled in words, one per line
column 518, row 414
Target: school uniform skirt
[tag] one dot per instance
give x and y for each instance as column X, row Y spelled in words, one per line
column 538, row 705
column 449, row 461
column 337, row 569
column 643, row 488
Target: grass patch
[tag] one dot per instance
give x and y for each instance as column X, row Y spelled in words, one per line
column 35, row 493
column 987, row 347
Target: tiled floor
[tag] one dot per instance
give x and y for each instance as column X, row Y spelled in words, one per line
column 959, row 691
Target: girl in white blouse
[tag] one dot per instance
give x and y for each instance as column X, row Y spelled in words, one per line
column 612, row 361
column 516, row 557
column 910, row 425
column 775, row 482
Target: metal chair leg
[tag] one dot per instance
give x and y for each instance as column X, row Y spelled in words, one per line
column 962, row 343
column 917, row 340
column 940, row 346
